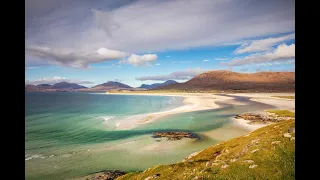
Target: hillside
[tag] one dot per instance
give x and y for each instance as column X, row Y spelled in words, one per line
column 266, row 153
column 65, row 85
column 58, row 87
column 155, row 85
column 44, row 86
column 106, row 87
column 222, row 80
column 32, row 88
column 72, row 87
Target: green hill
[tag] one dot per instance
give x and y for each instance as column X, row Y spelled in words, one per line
column 267, row 153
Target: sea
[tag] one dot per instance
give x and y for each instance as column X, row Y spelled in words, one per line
column 69, row 135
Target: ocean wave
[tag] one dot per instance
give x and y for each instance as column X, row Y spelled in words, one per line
column 35, row 156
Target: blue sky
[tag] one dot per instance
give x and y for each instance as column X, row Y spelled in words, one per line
column 137, row 42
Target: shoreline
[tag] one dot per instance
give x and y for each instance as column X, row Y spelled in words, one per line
column 205, row 101
column 191, row 102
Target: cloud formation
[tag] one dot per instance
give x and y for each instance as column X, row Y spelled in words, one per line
column 206, row 60
column 56, row 79
column 143, row 26
column 178, row 75
column 65, row 57
column 137, row 60
column 74, row 59
column 263, row 44
column 282, row 53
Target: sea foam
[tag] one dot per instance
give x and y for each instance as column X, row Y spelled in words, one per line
column 34, row 157
column 106, row 118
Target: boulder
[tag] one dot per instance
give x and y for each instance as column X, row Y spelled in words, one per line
column 248, row 161
column 291, row 130
column 224, row 166
column 275, row 142
column 287, row 135
column 208, row 164
column 109, row 175
column 252, row 166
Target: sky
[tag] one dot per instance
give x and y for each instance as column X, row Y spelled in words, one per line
column 151, row 41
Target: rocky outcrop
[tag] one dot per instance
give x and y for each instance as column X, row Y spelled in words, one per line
column 262, row 117
column 174, row 135
column 190, row 156
column 109, row 175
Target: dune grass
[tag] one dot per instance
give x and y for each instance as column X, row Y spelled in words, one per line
column 270, row 153
column 282, row 113
column 286, row 97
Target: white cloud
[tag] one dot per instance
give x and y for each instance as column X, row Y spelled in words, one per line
column 67, row 57
column 178, row 75
column 282, row 53
column 206, row 60
column 221, row 59
column 263, row 44
column 144, row 26
column 137, row 60
column 157, row 64
column 56, row 79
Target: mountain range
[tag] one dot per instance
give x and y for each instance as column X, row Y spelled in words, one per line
column 155, row 85
column 58, row 87
column 72, row 87
column 242, row 82
column 220, row 80
column 106, row 87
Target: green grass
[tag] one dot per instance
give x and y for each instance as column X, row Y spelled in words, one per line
column 282, row 113
column 274, row 161
column 286, row 97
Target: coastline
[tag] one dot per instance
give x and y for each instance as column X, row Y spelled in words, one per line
column 206, row 101
column 191, row 102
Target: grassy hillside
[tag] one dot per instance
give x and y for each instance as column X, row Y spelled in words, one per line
column 282, row 113
column 229, row 81
column 267, row 153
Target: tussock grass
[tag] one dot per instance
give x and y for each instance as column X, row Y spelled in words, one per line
column 274, row 158
column 282, row 113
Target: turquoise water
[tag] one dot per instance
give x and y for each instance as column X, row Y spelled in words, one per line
column 70, row 135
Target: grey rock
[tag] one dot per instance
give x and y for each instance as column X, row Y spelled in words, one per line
column 253, row 166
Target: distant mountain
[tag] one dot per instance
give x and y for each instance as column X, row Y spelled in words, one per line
column 66, row 85
column 44, row 86
column 155, row 85
column 58, row 87
column 222, row 80
column 106, row 87
column 31, row 88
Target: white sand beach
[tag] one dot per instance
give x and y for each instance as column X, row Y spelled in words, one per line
column 205, row 101
column 269, row 98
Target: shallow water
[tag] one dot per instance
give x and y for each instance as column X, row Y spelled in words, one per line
column 69, row 135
